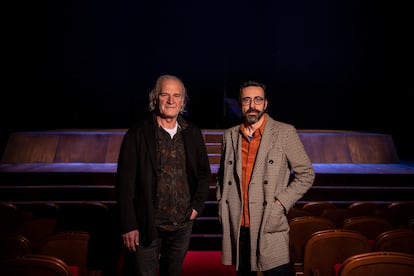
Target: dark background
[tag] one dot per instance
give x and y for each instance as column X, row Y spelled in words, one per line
column 334, row 64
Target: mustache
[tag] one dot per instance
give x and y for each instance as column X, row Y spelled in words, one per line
column 252, row 110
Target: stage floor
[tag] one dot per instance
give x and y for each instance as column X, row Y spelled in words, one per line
column 320, row 168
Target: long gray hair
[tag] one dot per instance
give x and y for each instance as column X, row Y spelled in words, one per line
column 155, row 92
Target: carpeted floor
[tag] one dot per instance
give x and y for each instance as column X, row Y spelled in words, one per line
column 206, row 263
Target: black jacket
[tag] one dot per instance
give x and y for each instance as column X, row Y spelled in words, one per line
column 136, row 175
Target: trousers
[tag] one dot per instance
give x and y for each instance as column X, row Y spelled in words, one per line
column 164, row 255
column 244, row 264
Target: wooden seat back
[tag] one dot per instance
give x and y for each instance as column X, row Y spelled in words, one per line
column 325, row 249
column 381, row 263
column 34, row 265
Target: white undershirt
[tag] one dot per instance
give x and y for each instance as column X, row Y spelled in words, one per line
column 172, row 131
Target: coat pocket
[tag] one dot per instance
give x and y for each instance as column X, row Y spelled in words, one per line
column 277, row 221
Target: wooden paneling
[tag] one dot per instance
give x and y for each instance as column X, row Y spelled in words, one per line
column 114, row 146
column 326, row 147
column 27, row 147
column 349, row 147
column 332, row 147
column 372, row 148
column 75, row 148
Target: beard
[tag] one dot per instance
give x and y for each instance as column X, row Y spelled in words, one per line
column 251, row 118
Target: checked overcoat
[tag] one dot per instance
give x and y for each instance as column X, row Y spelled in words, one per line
column 282, row 171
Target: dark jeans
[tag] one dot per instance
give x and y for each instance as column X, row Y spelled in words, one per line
column 244, row 253
column 168, row 252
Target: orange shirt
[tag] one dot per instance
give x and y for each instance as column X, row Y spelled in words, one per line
column 250, row 146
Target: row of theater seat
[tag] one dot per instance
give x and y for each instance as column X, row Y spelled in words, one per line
column 36, row 265
column 380, row 263
column 328, row 252
column 86, row 215
column 344, row 226
column 37, row 221
column 34, row 224
column 398, row 213
column 88, row 227
column 70, row 248
column 80, row 215
column 67, row 253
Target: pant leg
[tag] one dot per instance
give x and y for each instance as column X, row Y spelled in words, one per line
column 283, row 270
column 244, row 253
column 175, row 245
column 145, row 259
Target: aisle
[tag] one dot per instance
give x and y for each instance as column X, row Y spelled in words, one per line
column 206, row 263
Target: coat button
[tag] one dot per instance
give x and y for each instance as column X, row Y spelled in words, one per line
column 229, row 183
column 270, row 161
column 265, row 203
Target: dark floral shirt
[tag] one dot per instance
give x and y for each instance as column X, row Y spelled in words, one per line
column 172, row 204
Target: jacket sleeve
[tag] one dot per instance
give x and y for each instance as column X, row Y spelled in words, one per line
column 303, row 174
column 198, row 169
column 125, row 182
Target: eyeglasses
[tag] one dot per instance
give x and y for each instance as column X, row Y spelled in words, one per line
column 247, row 100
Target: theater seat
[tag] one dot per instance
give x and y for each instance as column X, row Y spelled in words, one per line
column 9, row 216
column 327, row 248
column 301, row 228
column 37, row 229
column 400, row 213
column 364, row 208
column 34, row 265
column 381, row 263
column 337, row 215
column 295, row 212
column 370, row 226
column 316, row 207
column 14, row 245
column 398, row 240
column 71, row 247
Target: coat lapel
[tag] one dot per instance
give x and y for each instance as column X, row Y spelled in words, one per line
column 150, row 138
column 236, row 138
column 267, row 142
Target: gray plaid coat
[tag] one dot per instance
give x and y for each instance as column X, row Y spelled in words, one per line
column 282, row 170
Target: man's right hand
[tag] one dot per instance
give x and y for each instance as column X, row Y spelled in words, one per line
column 131, row 240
